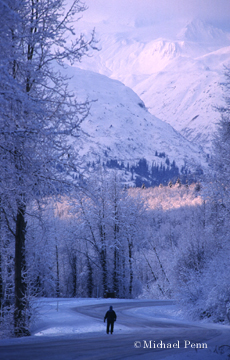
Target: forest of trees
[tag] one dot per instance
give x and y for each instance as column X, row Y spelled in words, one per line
column 151, row 175
column 162, row 242
column 63, row 238
column 38, row 118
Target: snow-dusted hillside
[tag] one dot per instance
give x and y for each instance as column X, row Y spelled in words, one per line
column 186, row 93
column 121, row 128
column 176, row 70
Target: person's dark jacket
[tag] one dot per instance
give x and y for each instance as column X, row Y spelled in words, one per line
column 110, row 315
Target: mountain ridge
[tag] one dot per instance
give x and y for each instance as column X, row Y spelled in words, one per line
column 176, row 77
column 120, row 131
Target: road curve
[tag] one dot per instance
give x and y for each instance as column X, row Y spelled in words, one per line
column 140, row 342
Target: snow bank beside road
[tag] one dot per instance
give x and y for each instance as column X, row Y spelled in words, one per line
column 59, row 326
column 56, row 317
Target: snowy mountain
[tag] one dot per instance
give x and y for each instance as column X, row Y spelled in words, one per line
column 121, row 133
column 175, row 71
column 203, row 33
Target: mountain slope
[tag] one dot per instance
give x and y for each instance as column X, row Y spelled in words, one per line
column 120, row 128
column 177, row 76
column 186, row 93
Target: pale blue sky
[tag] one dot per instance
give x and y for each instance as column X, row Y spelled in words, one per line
column 215, row 11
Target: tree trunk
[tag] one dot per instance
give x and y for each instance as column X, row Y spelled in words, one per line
column 1, row 284
column 104, row 271
column 130, row 244
column 116, row 248
column 58, row 276
column 103, row 260
column 123, row 294
column 74, row 269
column 115, row 274
column 89, row 278
column 20, row 323
column 1, row 279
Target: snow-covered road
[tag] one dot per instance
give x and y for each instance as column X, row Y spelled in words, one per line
column 70, row 329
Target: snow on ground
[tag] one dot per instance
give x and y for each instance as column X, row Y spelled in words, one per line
column 57, row 316
column 58, row 319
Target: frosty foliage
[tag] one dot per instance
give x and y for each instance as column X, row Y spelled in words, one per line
column 166, row 242
column 203, row 270
column 131, row 242
column 135, row 242
column 38, row 116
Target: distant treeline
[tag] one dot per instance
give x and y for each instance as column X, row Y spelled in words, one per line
column 144, row 173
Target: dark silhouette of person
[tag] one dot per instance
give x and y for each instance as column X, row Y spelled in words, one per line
column 111, row 317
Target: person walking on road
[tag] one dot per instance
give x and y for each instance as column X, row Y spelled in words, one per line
column 111, row 317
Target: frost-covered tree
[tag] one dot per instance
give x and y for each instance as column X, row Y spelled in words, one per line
column 218, row 306
column 203, row 267
column 221, row 161
column 37, row 114
column 109, row 223
column 221, row 158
